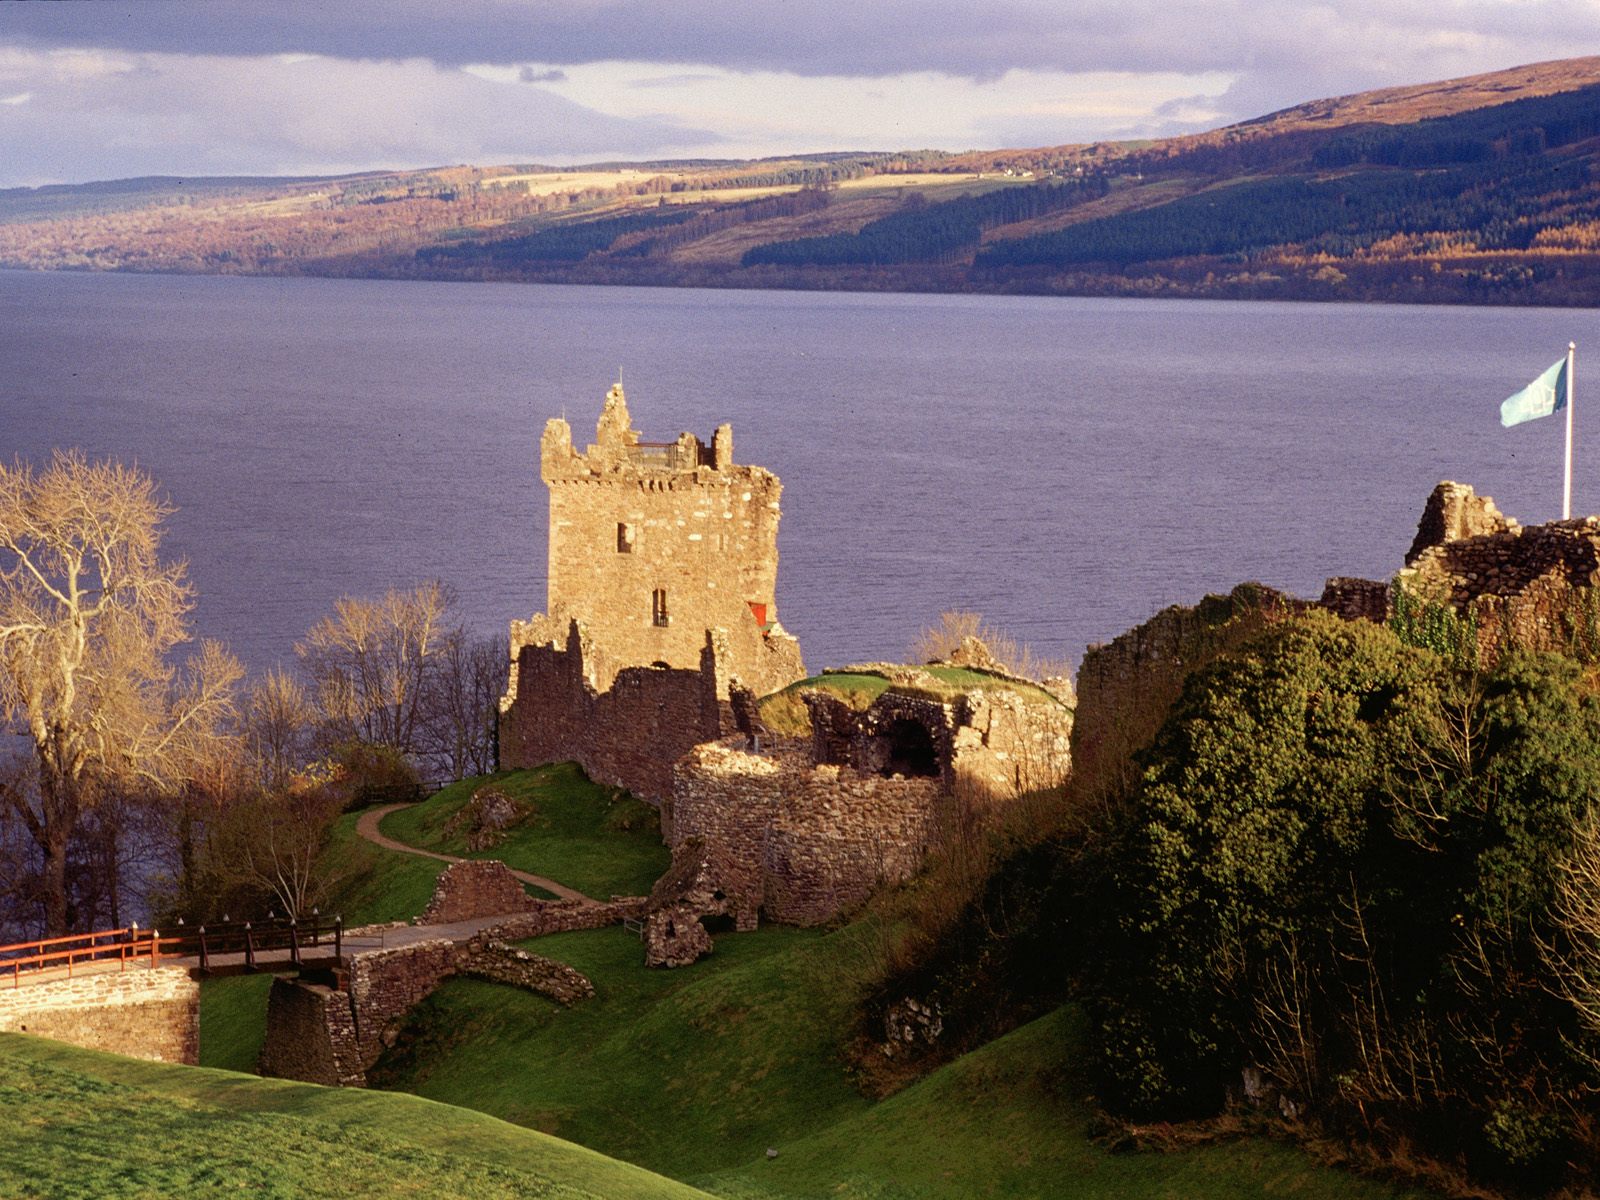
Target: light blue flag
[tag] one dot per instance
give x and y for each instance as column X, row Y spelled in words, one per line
column 1545, row 395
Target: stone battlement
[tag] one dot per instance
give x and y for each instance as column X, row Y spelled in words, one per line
column 653, row 544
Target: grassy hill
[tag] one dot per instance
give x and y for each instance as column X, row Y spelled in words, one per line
column 88, row 1124
column 694, row 1073
column 1012, row 1120
column 1478, row 190
column 698, row 1072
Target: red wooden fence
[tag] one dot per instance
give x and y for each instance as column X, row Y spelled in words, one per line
column 23, row 960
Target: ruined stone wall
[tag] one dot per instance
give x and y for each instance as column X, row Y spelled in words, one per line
column 384, row 985
column 1007, row 744
column 145, row 1012
column 800, row 842
column 989, row 740
column 466, row 891
column 627, row 735
column 1533, row 588
column 1356, row 599
column 500, row 963
column 1452, row 512
column 565, row 916
column 652, row 546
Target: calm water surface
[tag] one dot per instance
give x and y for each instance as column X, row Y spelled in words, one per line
column 1066, row 467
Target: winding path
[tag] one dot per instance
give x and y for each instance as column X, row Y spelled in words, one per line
column 367, row 827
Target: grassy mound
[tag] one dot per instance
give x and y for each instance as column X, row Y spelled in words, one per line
column 1011, row 1120
column 90, row 1124
column 597, row 839
column 685, row 1071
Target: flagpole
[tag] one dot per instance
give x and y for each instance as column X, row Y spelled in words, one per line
column 1566, row 487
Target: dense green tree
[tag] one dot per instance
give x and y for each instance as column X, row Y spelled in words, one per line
column 1342, row 867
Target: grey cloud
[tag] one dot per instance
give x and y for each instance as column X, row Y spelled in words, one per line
column 154, row 114
column 1405, row 38
column 529, row 75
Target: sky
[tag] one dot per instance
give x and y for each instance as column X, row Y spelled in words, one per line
column 119, row 88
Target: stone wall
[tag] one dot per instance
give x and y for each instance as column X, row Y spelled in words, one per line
column 498, row 962
column 143, row 1012
column 466, row 891
column 565, row 916
column 626, row 735
column 311, row 1035
column 384, row 985
column 1453, row 512
column 1126, row 686
column 1356, row 599
column 1530, row 588
column 801, row 842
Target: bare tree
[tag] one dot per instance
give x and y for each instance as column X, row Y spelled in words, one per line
column 464, row 703
column 278, row 720
column 88, row 615
column 369, row 664
column 1576, row 967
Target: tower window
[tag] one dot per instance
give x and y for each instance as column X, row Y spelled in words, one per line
column 624, row 538
column 658, row 606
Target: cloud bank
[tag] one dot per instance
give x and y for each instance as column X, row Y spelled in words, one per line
column 126, row 86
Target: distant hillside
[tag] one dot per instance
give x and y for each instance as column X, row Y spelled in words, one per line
column 1476, row 190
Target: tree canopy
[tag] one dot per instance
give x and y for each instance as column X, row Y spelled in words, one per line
column 89, row 615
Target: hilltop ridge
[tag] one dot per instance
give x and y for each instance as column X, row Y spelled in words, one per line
column 1483, row 189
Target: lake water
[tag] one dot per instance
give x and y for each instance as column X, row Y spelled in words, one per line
column 1064, row 466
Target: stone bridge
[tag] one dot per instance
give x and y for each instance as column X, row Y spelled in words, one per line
column 340, row 994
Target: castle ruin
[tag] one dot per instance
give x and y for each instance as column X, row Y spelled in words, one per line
column 662, row 596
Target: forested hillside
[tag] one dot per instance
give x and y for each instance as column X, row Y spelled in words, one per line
column 1482, row 190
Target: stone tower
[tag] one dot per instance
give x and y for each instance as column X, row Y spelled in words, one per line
column 655, row 545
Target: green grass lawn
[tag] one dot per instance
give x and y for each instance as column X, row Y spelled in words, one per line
column 233, row 1021
column 371, row 884
column 84, row 1124
column 685, row 1071
column 597, row 839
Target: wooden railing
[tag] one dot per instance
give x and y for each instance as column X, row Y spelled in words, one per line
column 253, row 938
column 23, row 961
